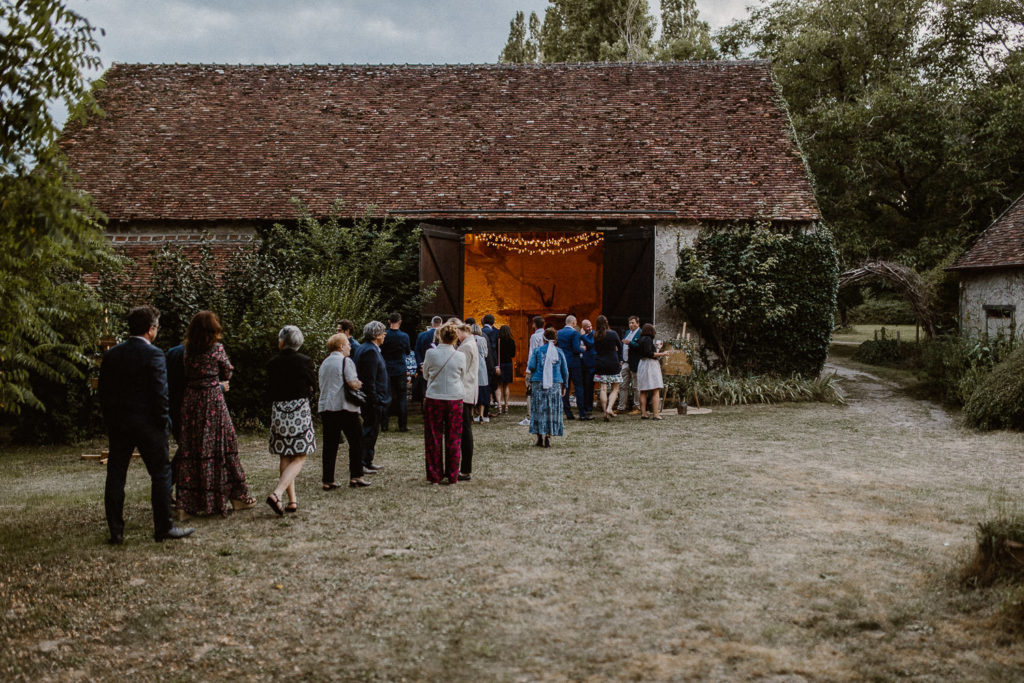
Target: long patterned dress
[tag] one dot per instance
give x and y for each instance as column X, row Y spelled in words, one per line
column 207, row 471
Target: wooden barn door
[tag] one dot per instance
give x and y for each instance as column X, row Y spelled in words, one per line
column 441, row 256
column 628, row 276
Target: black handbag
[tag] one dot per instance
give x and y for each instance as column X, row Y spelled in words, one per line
column 354, row 396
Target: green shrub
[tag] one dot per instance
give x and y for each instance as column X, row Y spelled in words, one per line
column 998, row 400
column 763, row 300
column 953, row 366
column 887, row 350
column 1000, row 552
column 722, row 387
column 882, row 312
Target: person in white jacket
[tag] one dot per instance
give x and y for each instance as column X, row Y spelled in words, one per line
column 444, row 369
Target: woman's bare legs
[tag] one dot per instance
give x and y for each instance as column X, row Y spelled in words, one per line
column 290, row 468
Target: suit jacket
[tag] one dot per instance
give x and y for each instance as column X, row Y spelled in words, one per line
column 570, row 343
column 490, row 333
column 373, row 374
column 424, row 342
column 133, row 388
column 176, row 385
column 394, row 350
column 589, row 351
column 632, row 358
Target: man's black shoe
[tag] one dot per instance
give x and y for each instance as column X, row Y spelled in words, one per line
column 371, row 469
column 174, row 533
column 116, row 539
column 465, row 477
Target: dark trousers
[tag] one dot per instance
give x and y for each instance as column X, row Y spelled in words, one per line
column 399, row 403
column 336, row 423
column 576, row 377
column 494, row 382
column 372, row 417
column 466, row 467
column 588, row 389
column 153, row 448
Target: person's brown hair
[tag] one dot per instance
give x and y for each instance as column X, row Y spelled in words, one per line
column 203, row 332
column 549, row 333
column 648, row 330
column 448, row 334
column 601, row 327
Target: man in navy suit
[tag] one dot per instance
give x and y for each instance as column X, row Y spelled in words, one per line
column 490, row 333
column 133, row 397
column 395, row 348
column 373, row 373
column 571, row 344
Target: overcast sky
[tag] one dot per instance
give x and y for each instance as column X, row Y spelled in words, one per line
column 321, row 31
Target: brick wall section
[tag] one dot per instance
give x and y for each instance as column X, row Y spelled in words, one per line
column 650, row 141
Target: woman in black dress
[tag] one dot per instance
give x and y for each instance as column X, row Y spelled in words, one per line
column 292, row 379
column 607, row 365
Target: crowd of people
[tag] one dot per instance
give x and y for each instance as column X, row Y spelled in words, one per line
column 460, row 371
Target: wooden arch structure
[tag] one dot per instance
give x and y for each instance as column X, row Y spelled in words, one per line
column 906, row 281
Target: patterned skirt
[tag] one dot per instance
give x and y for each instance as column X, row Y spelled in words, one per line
column 546, row 409
column 291, row 428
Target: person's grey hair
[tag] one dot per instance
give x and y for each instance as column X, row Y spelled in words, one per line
column 291, row 337
column 436, row 321
column 570, row 320
column 372, row 330
column 475, row 329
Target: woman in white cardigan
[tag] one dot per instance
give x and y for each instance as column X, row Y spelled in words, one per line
column 444, row 369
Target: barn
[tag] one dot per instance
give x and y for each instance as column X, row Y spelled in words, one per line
column 539, row 189
column 992, row 276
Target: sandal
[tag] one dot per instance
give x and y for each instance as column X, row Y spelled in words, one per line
column 656, row 417
column 275, row 504
column 243, row 503
column 331, row 486
column 291, row 507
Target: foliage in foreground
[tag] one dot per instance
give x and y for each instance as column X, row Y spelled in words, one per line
column 1000, row 552
column 998, row 400
column 721, row 387
column 49, row 235
column 953, row 366
column 764, row 301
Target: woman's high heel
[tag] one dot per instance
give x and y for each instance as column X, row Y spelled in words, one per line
column 540, row 440
column 243, row 503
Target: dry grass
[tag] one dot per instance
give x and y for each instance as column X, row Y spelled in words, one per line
column 771, row 542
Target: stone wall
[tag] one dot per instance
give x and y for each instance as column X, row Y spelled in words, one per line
column 991, row 289
column 668, row 240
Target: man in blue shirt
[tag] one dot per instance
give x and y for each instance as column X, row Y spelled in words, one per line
column 394, row 350
column 569, row 341
column 588, row 363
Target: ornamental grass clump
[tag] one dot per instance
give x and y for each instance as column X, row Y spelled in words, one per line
column 722, row 387
column 999, row 556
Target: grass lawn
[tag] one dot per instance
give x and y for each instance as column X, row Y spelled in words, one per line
column 784, row 542
column 861, row 333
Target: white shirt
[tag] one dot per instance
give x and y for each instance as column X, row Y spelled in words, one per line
column 332, row 390
column 471, row 350
column 536, row 340
column 625, row 344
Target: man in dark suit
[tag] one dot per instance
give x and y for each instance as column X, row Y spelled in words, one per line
column 490, row 333
column 395, row 348
column 374, row 376
column 176, row 387
column 571, row 344
column 133, row 397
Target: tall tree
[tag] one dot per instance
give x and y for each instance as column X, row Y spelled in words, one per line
column 901, row 109
column 683, row 35
column 49, row 233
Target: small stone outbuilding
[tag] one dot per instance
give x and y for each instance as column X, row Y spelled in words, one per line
column 992, row 277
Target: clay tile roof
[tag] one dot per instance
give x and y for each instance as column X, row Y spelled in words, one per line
column 1000, row 246
column 700, row 140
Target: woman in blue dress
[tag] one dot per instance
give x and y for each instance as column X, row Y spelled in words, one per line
column 548, row 376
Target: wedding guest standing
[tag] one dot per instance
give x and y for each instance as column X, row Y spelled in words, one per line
column 292, row 379
column 536, row 341
column 587, row 360
column 338, row 414
column 444, row 369
column 373, row 374
column 133, row 398
column 607, row 365
column 394, row 349
column 506, row 365
column 571, row 346
column 548, row 374
column 469, row 346
column 208, row 474
column 648, row 375
column 628, row 395
column 483, row 402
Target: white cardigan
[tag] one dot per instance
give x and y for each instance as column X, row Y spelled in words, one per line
column 471, row 350
column 444, row 369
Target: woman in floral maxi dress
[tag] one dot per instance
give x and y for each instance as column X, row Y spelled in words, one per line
column 208, row 474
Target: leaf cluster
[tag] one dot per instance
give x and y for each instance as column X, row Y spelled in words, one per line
column 763, row 300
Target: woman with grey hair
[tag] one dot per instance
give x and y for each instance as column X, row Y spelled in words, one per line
column 292, row 379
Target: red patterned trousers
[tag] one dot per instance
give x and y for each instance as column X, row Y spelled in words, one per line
column 442, row 438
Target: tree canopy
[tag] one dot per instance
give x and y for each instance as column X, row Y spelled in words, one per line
column 608, row 31
column 49, row 233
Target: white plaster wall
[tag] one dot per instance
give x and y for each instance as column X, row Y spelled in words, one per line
column 989, row 288
column 668, row 240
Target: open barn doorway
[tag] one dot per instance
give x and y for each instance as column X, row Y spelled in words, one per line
column 518, row 275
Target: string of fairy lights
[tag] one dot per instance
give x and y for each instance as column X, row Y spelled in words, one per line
column 538, row 244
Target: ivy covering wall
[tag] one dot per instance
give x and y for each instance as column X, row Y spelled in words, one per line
column 763, row 299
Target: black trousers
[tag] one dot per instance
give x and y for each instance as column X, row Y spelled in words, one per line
column 576, row 377
column 466, row 466
column 153, row 448
column 399, row 403
column 588, row 389
column 373, row 415
column 336, row 423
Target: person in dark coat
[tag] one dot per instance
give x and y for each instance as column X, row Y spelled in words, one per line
column 374, row 375
column 490, row 332
column 133, row 399
column 571, row 345
column 395, row 348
